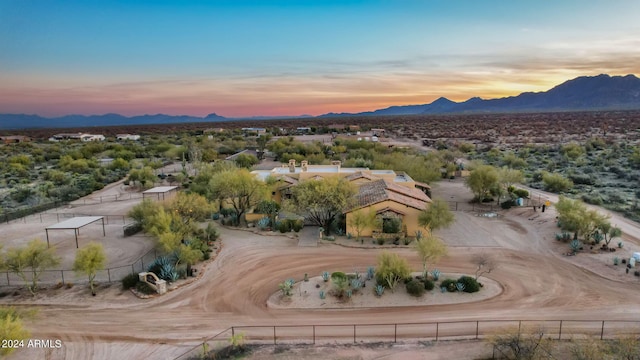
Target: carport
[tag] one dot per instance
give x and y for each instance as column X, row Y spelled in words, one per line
column 75, row 224
column 157, row 191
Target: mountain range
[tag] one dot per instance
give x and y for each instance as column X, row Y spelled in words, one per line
column 585, row 93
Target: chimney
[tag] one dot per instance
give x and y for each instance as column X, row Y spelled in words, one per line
column 292, row 165
column 304, row 165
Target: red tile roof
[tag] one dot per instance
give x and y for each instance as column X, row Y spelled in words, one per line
column 382, row 190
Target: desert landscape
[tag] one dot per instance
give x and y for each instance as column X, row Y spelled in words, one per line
column 534, row 281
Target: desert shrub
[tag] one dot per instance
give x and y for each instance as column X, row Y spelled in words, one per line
column 391, row 226
column 226, row 211
column 144, row 288
column 338, row 275
column 594, row 199
column 297, row 225
column 582, row 179
column 415, row 288
column 132, row 229
column 380, row 241
column 284, row 226
column 470, row 284
column 428, row 285
column 521, row 193
column 507, row 204
column 449, row 284
column 556, row 183
column 129, row 281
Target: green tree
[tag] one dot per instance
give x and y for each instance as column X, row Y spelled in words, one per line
column 322, row 200
column 36, row 256
column 508, row 178
column 391, row 269
column 556, row 182
column 119, row 164
column 262, row 141
column 145, row 177
column 190, row 207
column 430, row 249
column 246, row 161
column 269, row 208
column 89, row 260
column 436, row 216
column 11, row 328
column 238, row 188
column 143, row 212
column 482, row 180
column 574, row 216
column 361, row 219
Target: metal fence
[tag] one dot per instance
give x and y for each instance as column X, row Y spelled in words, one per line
column 54, row 217
column 113, row 274
column 430, row 331
column 467, row 206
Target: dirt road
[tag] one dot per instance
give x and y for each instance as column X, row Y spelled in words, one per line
column 233, row 291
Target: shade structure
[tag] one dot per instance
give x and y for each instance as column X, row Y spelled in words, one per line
column 75, row 224
column 158, row 191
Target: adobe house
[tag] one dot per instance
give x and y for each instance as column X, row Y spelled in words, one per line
column 390, row 200
column 390, row 193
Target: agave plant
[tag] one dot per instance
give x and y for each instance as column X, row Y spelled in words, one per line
column 419, row 235
column 349, row 293
column 575, row 245
column 460, row 287
column 325, row 276
column 356, row 284
column 322, row 294
column 263, row 223
column 371, row 272
column 379, row 290
column 287, row 287
column 436, row 274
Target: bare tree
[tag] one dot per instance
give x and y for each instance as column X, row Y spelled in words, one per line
column 484, row 263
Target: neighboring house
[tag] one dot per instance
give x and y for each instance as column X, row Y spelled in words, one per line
column 389, row 193
column 127, row 137
column 254, row 130
column 77, row 136
column 14, row 139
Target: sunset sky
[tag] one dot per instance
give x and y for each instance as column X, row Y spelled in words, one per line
column 246, row 58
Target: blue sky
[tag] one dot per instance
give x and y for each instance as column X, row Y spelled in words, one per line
column 244, row 58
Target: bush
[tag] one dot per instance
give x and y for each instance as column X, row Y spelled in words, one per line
column 391, row 226
column 470, row 284
column 449, row 284
column 132, row 229
column 380, row 241
column 297, row 225
column 521, row 193
column 428, row 285
column 415, row 288
column 144, row 288
column 507, row 204
column 284, row 226
column 129, row 281
column 338, row 275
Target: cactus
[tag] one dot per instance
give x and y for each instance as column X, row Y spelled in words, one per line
column 460, row 287
column 356, row 284
column 349, row 293
column 616, row 260
column 419, row 235
column 325, row 276
column 322, row 294
column 349, row 236
column 287, row 287
column 575, row 245
column 443, row 289
column 357, row 274
column 379, row 290
column 436, row 274
column 371, row 272
column 620, row 244
column 306, row 277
